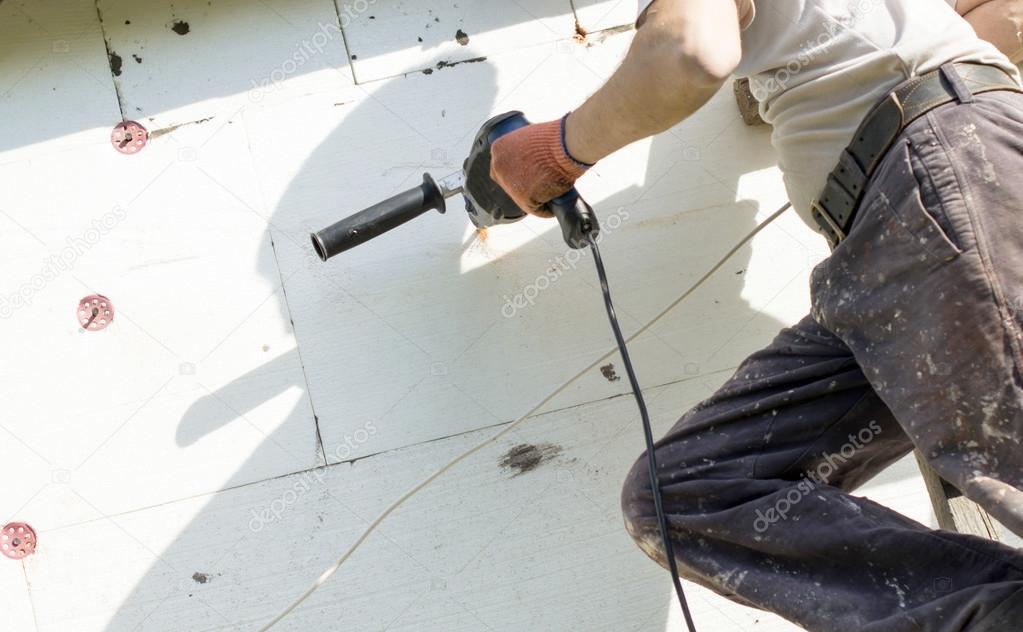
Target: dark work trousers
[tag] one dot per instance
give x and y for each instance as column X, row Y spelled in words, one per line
column 914, row 340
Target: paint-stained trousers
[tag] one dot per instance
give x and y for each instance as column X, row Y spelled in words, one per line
column 914, row 340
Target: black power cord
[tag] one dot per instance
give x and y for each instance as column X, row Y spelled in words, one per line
column 647, row 433
column 373, row 526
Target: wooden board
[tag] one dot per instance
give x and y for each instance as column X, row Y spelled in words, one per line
column 953, row 510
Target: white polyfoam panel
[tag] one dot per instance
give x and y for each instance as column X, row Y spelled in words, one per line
column 419, row 330
column 598, row 15
column 55, row 85
column 192, row 59
column 393, row 37
column 197, row 383
column 902, row 488
column 173, row 461
column 464, row 555
column 14, row 599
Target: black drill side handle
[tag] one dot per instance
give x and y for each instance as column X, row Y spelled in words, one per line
column 576, row 218
column 378, row 219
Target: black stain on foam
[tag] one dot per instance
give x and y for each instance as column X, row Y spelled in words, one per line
column 116, row 63
column 526, row 457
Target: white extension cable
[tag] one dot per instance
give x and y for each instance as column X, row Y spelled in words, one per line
column 513, row 425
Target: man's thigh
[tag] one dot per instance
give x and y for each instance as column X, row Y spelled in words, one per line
column 796, row 418
column 926, row 291
column 799, row 409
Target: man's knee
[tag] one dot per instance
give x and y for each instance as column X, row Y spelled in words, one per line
column 640, row 513
column 699, row 488
column 637, row 501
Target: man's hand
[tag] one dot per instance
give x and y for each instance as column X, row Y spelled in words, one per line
column 533, row 167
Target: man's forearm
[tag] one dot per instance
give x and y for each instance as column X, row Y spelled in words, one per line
column 683, row 52
column 997, row 21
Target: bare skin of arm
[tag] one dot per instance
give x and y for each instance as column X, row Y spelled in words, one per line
column 997, row 21
column 683, row 52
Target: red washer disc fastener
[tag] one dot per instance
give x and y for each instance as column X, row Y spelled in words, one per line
column 128, row 137
column 95, row 312
column 17, row 540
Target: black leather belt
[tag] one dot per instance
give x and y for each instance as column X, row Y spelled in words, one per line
column 835, row 209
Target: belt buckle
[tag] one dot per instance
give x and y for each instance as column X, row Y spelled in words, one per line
column 820, row 211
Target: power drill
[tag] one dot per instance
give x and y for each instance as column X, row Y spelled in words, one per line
column 485, row 201
column 488, row 205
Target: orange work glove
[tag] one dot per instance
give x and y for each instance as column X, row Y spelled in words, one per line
column 533, row 166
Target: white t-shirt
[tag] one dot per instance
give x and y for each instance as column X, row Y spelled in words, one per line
column 818, row 66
